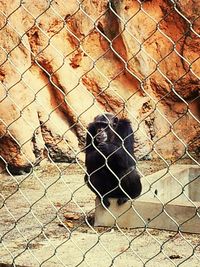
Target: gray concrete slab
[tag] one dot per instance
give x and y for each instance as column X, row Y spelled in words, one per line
column 170, row 200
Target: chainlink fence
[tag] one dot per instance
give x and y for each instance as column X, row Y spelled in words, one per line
column 48, row 216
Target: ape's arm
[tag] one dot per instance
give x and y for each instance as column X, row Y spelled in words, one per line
column 94, row 159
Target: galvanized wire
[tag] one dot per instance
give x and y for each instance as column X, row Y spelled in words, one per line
column 55, row 258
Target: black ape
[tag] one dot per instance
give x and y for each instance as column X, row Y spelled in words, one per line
column 110, row 160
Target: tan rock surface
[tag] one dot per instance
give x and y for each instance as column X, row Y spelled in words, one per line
column 62, row 64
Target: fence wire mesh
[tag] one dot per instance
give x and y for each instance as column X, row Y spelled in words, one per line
column 64, row 62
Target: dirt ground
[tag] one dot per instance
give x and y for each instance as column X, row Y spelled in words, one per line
column 46, row 219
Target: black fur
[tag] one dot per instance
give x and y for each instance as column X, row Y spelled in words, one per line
column 111, row 159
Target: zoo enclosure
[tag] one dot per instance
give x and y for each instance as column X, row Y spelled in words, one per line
column 51, row 55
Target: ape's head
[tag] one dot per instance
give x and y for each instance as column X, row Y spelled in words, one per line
column 105, row 126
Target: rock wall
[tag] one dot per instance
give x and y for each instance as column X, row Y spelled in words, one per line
column 62, row 64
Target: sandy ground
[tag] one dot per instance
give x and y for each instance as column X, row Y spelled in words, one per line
column 46, row 219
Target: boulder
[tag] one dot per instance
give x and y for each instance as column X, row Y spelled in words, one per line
column 62, row 64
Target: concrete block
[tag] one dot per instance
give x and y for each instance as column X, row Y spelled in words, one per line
column 170, row 200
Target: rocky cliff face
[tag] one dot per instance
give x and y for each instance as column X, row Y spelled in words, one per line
column 62, row 64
